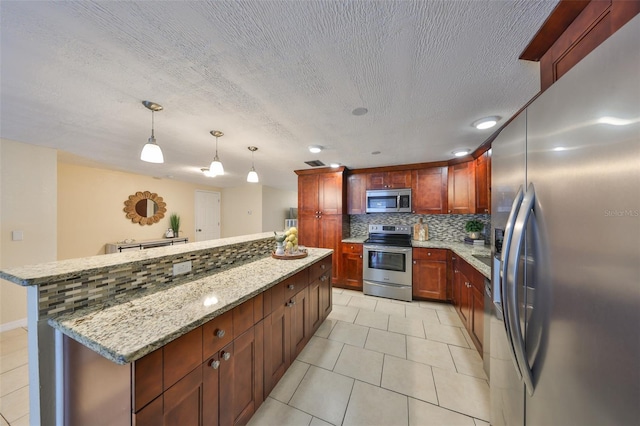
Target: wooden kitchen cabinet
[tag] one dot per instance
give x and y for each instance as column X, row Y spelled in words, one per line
column 284, row 327
column 468, row 299
column 429, row 273
column 226, row 389
column 321, row 219
column 320, row 298
column 389, row 180
column 232, row 380
column 462, row 188
column 483, row 183
column 429, row 190
column 351, row 275
column 357, row 193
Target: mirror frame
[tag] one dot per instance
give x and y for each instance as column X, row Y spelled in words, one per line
column 130, row 208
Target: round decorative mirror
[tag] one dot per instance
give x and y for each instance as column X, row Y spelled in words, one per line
column 145, row 208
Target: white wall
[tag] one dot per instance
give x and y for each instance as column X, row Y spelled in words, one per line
column 28, row 192
column 254, row 208
column 275, row 207
column 241, row 211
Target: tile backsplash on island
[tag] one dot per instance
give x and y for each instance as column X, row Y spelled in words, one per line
column 442, row 227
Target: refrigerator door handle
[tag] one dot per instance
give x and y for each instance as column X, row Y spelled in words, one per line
column 512, row 294
column 504, row 284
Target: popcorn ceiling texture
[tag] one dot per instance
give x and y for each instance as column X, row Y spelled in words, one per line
column 445, row 227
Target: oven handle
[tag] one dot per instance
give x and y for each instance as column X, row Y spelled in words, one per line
column 391, row 249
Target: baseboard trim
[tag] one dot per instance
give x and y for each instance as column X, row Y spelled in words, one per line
column 13, row 324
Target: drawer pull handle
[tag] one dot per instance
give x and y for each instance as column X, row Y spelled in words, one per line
column 226, row 356
column 215, row 364
column 220, row 333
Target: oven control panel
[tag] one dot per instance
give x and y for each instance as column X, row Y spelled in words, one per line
column 390, row 229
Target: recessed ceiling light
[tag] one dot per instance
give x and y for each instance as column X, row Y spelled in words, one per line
column 486, row 123
column 360, row 111
column 461, row 152
column 315, row 149
column 559, row 148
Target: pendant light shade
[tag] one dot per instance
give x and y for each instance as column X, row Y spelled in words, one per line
column 252, row 177
column 216, row 168
column 151, row 152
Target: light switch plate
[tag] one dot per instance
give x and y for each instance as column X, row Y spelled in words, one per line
column 181, row 268
column 17, row 235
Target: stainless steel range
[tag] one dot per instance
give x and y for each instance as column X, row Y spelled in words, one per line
column 387, row 262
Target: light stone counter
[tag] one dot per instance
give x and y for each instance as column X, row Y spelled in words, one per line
column 44, row 272
column 127, row 331
column 355, row 240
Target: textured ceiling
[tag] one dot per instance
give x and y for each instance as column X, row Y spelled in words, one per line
column 280, row 75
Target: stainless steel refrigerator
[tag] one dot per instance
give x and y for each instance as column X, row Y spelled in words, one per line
column 565, row 332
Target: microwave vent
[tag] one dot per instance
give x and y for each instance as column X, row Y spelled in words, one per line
column 314, row 163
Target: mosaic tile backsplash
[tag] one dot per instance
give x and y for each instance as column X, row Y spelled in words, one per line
column 442, row 227
column 97, row 285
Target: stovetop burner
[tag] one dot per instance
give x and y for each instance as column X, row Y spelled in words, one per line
column 389, row 235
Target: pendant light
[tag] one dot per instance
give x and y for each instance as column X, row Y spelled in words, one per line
column 216, row 168
column 253, row 175
column 151, row 152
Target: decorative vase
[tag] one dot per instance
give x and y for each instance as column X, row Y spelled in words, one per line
column 279, row 248
column 474, row 235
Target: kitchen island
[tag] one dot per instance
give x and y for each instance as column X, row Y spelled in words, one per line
column 161, row 348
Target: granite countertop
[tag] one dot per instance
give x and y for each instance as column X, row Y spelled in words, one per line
column 465, row 251
column 127, row 331
column 36, row 274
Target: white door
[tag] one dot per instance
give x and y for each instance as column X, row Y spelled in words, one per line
column 207, row 215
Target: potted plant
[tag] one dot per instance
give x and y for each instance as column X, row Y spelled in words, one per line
column 174, row 221
column 473, row 228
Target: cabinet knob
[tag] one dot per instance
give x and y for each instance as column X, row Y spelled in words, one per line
column 323, row 278
column 291, row 286
column 215, row 364
column 291, row 303
column 429, row 254
column 448, row 211
column 414, row 262
column 220, row 333
column 413, row 211
column 226, row 356
column 323, row 266
column 360, row 256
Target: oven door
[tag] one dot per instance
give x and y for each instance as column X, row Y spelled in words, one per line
column 386, row 264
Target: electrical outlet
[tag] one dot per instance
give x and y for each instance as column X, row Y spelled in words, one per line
column 181, row 268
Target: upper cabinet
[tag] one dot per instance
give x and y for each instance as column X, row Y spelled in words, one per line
column 321, row 193
column 483, row 183
column 357, row 193
column 429, row 190
column 462, row 188
column 389, row 180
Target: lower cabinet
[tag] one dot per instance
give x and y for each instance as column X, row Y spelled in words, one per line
column 430, row 273
column 351, row 266
column 468, row 299
column 220, row 373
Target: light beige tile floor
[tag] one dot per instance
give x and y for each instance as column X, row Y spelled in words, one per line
column 14, row 378
column 380, row 362
column 372, row 362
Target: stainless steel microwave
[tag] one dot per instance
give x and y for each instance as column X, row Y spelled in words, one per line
column 389, row 201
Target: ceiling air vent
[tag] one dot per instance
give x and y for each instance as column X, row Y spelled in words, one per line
column 314, row 163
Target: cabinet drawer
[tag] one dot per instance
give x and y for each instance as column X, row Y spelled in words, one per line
column 217, row 333
column 181, row 356
column 295, row 284
column 351, row 248
column 429, row 254
column 319, row 268
column 242, row 317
